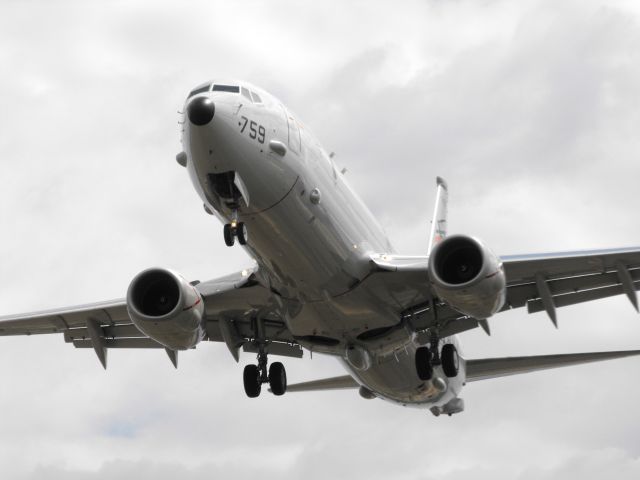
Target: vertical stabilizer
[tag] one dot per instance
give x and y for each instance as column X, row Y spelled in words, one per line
column 439, row 222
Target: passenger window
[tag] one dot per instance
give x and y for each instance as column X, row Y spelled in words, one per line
column 246, row 94
column 256, row 98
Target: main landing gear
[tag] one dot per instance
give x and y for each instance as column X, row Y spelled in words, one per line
column 255, row 375
column 234, row 230
column 428, row 357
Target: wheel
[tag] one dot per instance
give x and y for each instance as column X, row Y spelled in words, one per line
column 423, row 363
column 277, row 378
column 251, row 377
column 228, row 235
column 241, row 233
column 450, row 360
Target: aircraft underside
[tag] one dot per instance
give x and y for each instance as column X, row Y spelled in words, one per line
column 326, row 278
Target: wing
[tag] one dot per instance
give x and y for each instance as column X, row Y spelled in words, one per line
column 501, row 367
column 231, row 302
column 539, row 282
column 545, row 282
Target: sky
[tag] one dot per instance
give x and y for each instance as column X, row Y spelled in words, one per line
column 529, row 109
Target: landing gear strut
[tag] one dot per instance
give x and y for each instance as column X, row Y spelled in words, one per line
column 255, row 375
column 429, row 357
column 234, row 230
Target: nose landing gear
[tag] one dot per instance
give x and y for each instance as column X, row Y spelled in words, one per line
column 234, row 230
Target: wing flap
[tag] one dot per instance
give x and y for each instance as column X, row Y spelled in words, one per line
column 579, row 297
column 58, row 320
column 110, row 332
column 519, row 295
column 121, row 343
column 488, row 368
column 523, row 268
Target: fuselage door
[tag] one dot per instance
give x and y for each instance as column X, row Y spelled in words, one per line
column 294, row 132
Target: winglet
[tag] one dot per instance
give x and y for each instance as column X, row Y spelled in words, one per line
column 439, row 221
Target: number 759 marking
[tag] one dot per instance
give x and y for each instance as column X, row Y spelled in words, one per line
column 256, row 132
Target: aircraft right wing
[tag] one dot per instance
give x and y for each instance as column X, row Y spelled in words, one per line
column 231, row 304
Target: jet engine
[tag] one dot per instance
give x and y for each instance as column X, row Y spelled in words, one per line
column 165, row 307
column 467, row 276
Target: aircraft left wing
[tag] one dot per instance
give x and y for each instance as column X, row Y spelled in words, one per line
column 232, row 300
column 544, row 282
column 539, row 282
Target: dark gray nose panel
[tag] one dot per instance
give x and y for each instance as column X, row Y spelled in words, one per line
column 201, row 111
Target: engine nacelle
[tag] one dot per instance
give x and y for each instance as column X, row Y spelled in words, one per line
column 468, row 276
column 164, row 306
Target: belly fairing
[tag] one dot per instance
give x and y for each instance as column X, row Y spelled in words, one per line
column 394, row 378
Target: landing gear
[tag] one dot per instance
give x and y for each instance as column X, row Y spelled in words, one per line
column 277, row 378
column 241, row 233
column 429, row 357
column 234, row 230
column 423, row 363
column 229, row 237
column 450, row 360
column 252, row 383
column 255, row 375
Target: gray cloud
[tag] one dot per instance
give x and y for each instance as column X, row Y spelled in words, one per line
column 529, row 110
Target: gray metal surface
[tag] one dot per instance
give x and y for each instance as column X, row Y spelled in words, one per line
column 326, row 277
column 501, row 367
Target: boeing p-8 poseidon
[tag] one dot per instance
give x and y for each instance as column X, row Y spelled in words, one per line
column 326, row 278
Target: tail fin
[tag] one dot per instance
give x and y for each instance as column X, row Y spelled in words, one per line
column 439, row 222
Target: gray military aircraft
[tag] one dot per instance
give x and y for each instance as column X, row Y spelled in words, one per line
column 326, row 278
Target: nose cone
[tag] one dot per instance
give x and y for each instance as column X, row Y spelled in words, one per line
column 201, row 111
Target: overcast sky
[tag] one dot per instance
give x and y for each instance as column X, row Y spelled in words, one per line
column 529, row 109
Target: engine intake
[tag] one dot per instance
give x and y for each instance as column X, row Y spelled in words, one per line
column 468, row 276
column 164, row 306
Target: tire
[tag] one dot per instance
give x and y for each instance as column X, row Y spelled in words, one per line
column 228, row 235
column 450, row 360
column 242, row 234
column 277, row 378
column 251, row 377
column 424, row 368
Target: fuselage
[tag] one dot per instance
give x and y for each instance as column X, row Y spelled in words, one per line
column 310, row 234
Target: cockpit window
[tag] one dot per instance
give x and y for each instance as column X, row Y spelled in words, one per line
column 198, row 90
column 245, row 93
column 226, row 88
column 256, row 98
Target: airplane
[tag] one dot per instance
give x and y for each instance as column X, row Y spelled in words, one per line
column 326, row 278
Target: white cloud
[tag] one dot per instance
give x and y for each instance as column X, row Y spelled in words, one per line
column 530, row 110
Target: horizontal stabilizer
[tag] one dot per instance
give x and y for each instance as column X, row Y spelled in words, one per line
column 501, row 367
column 335, row 383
